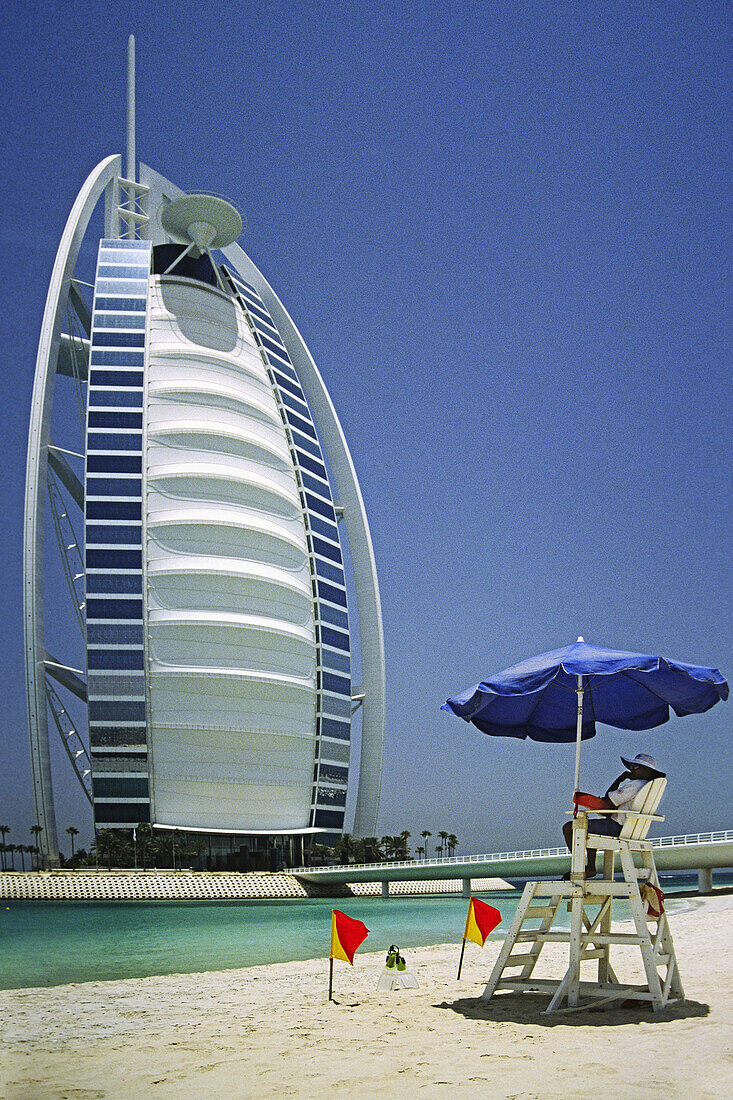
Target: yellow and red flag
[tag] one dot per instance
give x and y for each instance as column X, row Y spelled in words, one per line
column 346, row 935
column 481, row 920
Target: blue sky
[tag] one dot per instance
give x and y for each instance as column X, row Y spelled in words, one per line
column 504, row 232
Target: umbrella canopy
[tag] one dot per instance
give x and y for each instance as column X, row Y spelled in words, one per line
column 634, row 691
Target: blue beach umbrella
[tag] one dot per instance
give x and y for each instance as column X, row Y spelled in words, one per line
column 559, row 696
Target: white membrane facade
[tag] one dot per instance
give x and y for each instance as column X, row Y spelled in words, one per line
column 230, row 614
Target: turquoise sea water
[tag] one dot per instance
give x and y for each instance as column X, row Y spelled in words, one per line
column 55, row 943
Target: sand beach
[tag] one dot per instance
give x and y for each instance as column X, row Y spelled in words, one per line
column 270, row 1031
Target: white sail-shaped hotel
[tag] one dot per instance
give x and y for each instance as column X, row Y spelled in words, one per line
column 217, row 496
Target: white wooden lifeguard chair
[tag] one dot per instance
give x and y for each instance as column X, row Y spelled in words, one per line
column 590, row 936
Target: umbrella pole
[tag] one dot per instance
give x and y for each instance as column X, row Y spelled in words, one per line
column 579, row 733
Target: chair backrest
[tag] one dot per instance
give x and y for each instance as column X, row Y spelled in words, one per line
column 646, row 802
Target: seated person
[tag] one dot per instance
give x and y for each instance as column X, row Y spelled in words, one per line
column 622, row 792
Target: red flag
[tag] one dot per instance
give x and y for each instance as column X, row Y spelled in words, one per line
column 346, row 935
column 481, row 920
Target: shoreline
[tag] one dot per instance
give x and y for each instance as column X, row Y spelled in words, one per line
column 269, row 1031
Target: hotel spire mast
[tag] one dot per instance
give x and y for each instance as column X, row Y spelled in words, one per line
column 131, row 161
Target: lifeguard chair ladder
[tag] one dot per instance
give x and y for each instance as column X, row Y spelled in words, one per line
column 590, row 936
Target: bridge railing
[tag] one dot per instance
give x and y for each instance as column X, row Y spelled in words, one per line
column 722, row 836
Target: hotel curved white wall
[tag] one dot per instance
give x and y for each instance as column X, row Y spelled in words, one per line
column 230, row 634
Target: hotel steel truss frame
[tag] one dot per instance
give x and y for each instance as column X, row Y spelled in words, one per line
column 59, row 353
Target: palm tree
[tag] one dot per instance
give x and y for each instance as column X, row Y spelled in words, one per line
column 11, row 848
column 420, row 851
column 372, row 851
column 345, row 847
column 146, row 844
column 443, row 836
column 177, row 840
column 36, row 830
column 425, row 834
column 452, row 843
column 4, row 830
column 388, row 845
column 72, row 833
column 106, row 845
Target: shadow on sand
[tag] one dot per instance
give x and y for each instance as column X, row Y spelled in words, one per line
column 526, row 1008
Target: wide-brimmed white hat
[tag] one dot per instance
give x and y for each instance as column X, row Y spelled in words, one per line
column 642, row 760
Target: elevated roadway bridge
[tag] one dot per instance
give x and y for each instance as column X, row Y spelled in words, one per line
column 701, row 852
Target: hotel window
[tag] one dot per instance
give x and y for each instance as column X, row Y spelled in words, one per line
column 322, row 526
column 116, row 420
column 115, row 582
column 329, row 819
column 328, row 592
column 333, row 615
column 312, row 464
column 114, row 609
column 114, row 509
column 117, row 736
column 114, row 486
column 112, row 358
column 331, row 572
column 119, row 398
column 304, row 443
column 114, row 464
column 117, row 441
column 124, row 378
column 341, row 662
column 136, row 787
column 334, row 638
column 321, row 506
column 114, row 559
column 114, row 634
column 117, row 710
column 116, row 658
column 121, row 811
column 102, row 534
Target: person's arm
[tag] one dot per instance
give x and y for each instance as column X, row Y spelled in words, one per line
column 626, row 793
column 617, row 783
column 592, row 801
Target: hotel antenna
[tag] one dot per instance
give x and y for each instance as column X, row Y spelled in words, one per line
column 131, row 162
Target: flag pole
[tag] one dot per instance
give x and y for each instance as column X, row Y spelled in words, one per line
column 330, row 978
column 460, row 962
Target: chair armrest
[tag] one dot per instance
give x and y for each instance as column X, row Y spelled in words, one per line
column 629, row 813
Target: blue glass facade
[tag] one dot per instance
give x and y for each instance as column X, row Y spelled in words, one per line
column 333, row 704
column 113, row 526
